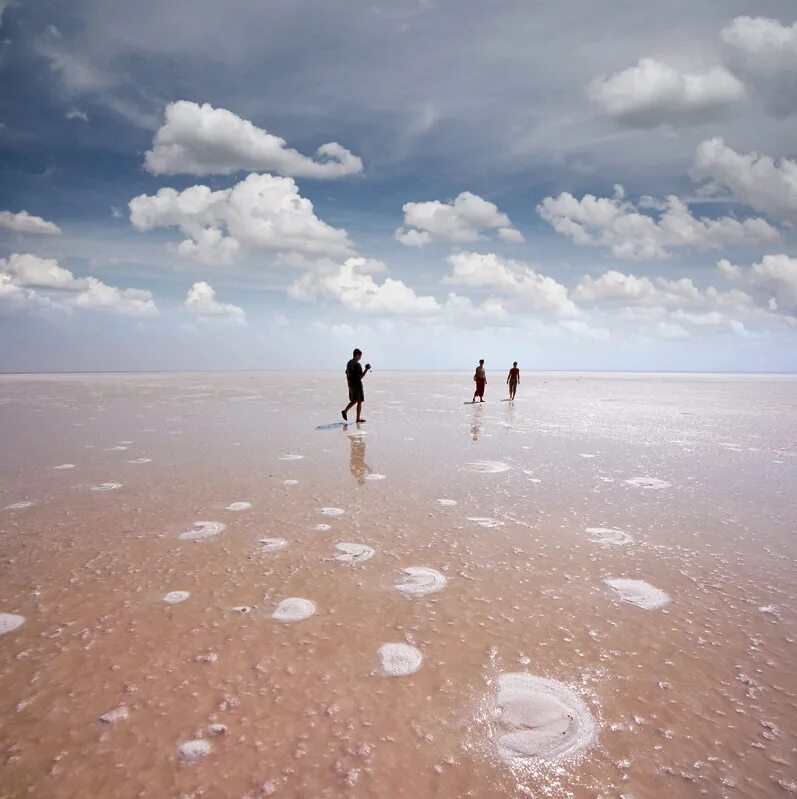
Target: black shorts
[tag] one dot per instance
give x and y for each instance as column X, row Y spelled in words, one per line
column 356, row 393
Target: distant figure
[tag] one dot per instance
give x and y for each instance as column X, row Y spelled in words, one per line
column 354, row 377
column 513, row 378
column 480, row 378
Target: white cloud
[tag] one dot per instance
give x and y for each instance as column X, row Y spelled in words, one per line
column 763, row 53
column 23, row 222
column 202, row 140
column 651, row 94
column 618, row 225
column 76, row 113
column 775, row 275
column 757, row 180
column 464, row 219
column 261, row 212
column 629, row 290
column 37, row 275
column 528, row 289
column 201, row 301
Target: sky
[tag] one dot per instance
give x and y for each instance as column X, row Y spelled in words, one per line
column 575, row 186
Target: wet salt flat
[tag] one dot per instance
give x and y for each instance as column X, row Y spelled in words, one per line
column 459, row 603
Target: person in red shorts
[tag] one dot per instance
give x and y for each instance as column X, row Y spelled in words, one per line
column 480, row 378
column 512, row 379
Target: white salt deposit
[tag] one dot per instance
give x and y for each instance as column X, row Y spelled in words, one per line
column 65, row 466
column 291, row 457
column 195, row 750
column 540, row 720
column 447, row 503
column 353, row 553
column 375, row 476
column 294, row 608
column 290, row 482
column 487, row 467
column 9, row 622
column 648, row 482
column 239, row 506
column 115, row 449
column 173, row 597
column 272, row 544
column 484, row 521
column 586, row 455
column 106, row 487
column 202, row 530
column 116, row 715
column 332, row 511
column 421, row 580
column 18, row 505
column 639, row 593
column 141, row 460
column 322, row 528
column 608, row 536
column 398, row 660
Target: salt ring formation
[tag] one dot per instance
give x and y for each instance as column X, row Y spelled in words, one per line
column 500, row 618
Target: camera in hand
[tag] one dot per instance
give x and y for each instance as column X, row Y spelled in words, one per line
column 367, row 366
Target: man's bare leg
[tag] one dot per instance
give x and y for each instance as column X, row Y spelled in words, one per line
column 359, row 412
column 347, row 409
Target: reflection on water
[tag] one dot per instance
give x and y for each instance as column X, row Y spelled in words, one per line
column 476, row 422
column 357, row 465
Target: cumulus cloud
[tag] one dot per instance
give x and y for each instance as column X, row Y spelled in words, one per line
column 203, row 140
column 652, row 93
column 757, row 180
column 529, row 290
column 261, row 212
column 629, row 290
column 23, row 222
column 763, row 53
column 775, row 275
column 619, row 225
column 201, row 301
column 45, row 278
column 464, row 219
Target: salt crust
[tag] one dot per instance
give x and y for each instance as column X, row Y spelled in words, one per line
column 239, row 506
column 10, row 622
column 272, row 544
column 294, row 608
column 651, row 483
column 399, row 660
column 353, row 553
column 202, row 530
column 195, row 750
column 487, row 467
column 484, row 521
column 173, row 597
column 421, row 580
column 608, row 536
column 332, row 511
column 639, row 593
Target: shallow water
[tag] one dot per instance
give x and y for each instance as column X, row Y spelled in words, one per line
column 693, row 476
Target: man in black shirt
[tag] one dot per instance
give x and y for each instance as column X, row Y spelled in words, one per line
column 354, row 377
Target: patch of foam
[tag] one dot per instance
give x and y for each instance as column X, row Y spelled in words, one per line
column 272, row 544
column 648, row 482
column 484, row 521
column 195, row 750
column 294, row 608
column 399, row 660
column 65, row 466
column 608, row 536
column 447, row 503
column 18, row 505
column 375, row 476
column 291, row 457
column 353, row 553
column 486, row 467
column 540, row 720
column 332, row 511
column 173, row 597
column 10, row 622
column 639, row 593
column 421, row 580
column 322, row 528
column 106, row 487
column 239, row 506
column 202, row 530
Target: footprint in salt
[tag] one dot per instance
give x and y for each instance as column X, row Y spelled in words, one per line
column 484, row 521
column 293, row 609
column 239, row 506
column 608, row 536
column 106, row 487
column 375, row 476
column 399, row 660
column 447, row 503
column 354, row 553
column 332, row 511
column 195, row 750
column 486, row 467
column 272, row 544
column 65, row 466
column 639, row 593
column 10, row 622
column 202, row 530
column 421, row 580
column 322, row 528
column 174, row 597
column 539, row 720
column 648, row 482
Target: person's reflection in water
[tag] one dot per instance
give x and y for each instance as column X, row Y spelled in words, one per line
column 359, row 468
column 476, row 424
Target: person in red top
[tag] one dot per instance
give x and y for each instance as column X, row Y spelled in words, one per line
column 513, row 378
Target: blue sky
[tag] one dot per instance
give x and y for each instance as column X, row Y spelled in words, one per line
column 573, row 186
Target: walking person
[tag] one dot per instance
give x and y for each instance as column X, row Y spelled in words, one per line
column 512, row 379
column 354, row 377
column 480, row 378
